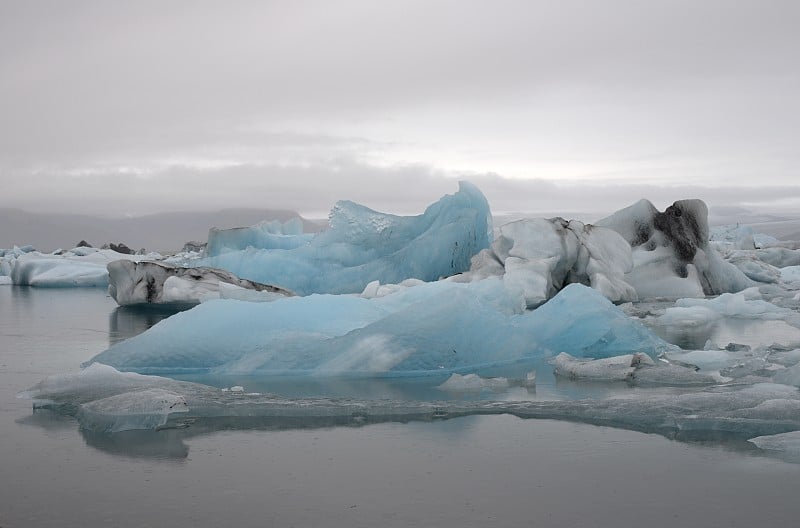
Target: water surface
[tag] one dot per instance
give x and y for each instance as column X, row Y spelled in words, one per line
column 473, row 471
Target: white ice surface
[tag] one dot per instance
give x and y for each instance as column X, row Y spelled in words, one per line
column 537, row 257
column 745, row 304
column 473, row 383
column 786, row 443
column 80, row 267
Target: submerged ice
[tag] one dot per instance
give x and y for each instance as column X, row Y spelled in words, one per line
column 106, row 401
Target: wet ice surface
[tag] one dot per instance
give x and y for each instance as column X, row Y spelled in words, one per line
column 348, row 470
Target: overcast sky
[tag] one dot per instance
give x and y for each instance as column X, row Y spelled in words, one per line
column 138, row 107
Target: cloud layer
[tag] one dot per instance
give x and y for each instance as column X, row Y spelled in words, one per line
column 151, row 106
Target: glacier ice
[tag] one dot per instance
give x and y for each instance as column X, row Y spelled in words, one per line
column 105, row 400
column 144, row 409
column 537, row 257
column 79, row 267
column 785, row 443
column 160, row 283
column 366, row 310
column 617, row 368
column 473, row 382
column 671, row 254
column 744, row 304
column 433, row 327
column 270, row 234
column 754, row 268
column 635, row 369
column 790, row 274
column 363, row 245
column 779, row 257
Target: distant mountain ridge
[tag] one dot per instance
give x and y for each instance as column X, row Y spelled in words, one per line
column 162, row 232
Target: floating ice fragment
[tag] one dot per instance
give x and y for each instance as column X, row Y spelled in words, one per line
column 617, row 368
column 142, row 409
column 745, row 304
column 473, row 382
column 637, row 369
column 786, row 443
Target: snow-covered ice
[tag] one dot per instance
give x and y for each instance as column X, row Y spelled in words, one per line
column 79, row 267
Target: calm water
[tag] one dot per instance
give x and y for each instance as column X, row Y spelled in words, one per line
column 476, row 471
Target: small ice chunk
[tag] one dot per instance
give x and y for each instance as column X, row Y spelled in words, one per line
column 672, row 375
column 473, row 383
column 786, row 443
column 144, row 409
column 617, row 368
column 789, row 376
column 790, row 274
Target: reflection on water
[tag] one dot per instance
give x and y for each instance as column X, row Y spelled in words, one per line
column 127, row 321
column 167, row 444
column 749, row 332
column 171, row 443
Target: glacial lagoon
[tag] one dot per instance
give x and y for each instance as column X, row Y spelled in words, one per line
column 445, row 471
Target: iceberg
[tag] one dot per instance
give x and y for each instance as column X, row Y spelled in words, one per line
column 744, row 304
column 149, row 282
column 538, row 257
column 672, row 256
column 780, row 257
column 362, row 245
column 429, row 328
column 79, row 267
column 754, row 268
column 271, row 234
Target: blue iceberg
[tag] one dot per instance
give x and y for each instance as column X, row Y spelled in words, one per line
column 361, row 246
column 271, row 234
column 436, row 327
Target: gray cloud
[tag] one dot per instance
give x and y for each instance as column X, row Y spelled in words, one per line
column 134, row 103
column 405, row 189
